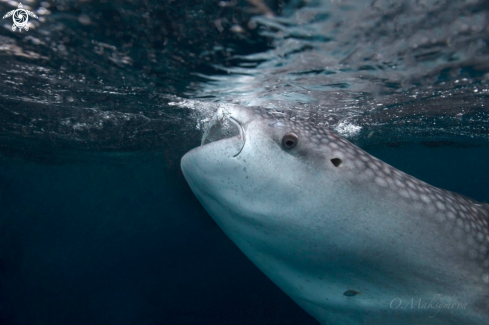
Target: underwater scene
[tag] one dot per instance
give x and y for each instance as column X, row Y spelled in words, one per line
column 244, row 162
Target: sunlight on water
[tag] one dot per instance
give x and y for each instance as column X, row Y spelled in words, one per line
column 406, row 72
column 381, row 65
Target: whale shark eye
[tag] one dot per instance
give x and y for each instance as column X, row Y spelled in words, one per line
column 290, row 140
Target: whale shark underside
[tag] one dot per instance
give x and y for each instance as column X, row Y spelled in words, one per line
column 348, row 237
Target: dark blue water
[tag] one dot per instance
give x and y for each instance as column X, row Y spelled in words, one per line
column 100, row 100
column 122, row 243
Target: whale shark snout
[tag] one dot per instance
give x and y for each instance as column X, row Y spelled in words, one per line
column 321, row 217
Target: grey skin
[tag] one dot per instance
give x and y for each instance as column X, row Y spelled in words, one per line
column 325, row 217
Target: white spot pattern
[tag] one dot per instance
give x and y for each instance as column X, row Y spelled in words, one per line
column 461, row 218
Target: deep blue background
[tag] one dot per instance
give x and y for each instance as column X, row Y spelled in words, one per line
column 122, row 242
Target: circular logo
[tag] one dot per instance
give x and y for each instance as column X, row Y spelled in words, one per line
column 20, row 17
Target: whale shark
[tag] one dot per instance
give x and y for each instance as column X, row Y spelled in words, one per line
column 348, row 237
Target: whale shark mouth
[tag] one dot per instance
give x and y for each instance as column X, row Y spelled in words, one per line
column 223, row 126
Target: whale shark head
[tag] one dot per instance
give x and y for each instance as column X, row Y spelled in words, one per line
column 350, row 238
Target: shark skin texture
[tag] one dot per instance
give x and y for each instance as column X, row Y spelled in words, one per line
column 349, row 238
